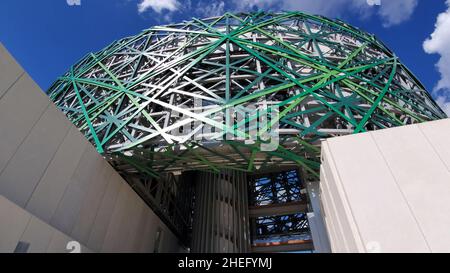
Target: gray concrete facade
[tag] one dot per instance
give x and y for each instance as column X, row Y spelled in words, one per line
column 388, row 190
column 52, row 180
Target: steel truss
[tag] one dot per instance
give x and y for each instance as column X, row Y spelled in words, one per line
column 327, row 77
column 276, row 188
column 135, row 99
column 275, row 194
column 170, row 197
column 281, row 228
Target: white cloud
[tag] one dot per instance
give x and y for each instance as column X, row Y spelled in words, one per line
column 439, row 43
column 444, row 103
column 211, row 9
column 391, row 12
column 323, row 7
column 394, row 12
column 158, row 5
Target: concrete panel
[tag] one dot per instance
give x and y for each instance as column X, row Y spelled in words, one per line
column 112, row 242
column 70, row 205
column 129, row 217
column 169, row 242
column 89, row 164
column 328, row 222
column 68, row 209
column 104, row 213
column 14, row 221
column 20, row 109
column 18, row 225
column 357, row 159
column 438, row 138
column 38, row 234
column 50, row 190
column 91, row 203
column 345, row 230
column 49, row 168
column 148, row 235
column 58, row 243
column 20, row 177
column 10, row 70
column 423, row 179
column 138, row 227
column 132, row 214
column 339, row 240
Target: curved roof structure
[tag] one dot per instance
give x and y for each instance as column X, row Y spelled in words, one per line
column 211, row 93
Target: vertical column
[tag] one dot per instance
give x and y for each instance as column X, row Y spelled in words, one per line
column 317, row 226
column 221, row 213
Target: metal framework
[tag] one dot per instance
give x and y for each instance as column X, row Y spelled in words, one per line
column 274, row 195
column 170, row 197
column 145, row 101
column 326, row 77
column 282, row 228
column 276, row 188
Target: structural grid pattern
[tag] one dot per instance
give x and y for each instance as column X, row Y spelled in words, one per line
column 154, row 103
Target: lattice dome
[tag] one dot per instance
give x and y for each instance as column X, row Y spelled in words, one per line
column 145, row 100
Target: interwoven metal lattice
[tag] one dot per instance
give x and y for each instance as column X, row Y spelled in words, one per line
column 326, row 77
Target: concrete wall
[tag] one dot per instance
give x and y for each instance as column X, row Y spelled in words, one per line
column 388, row 190
column 49, row 169
column 18, row 225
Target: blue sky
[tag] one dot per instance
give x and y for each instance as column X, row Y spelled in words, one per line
column 47, row 36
